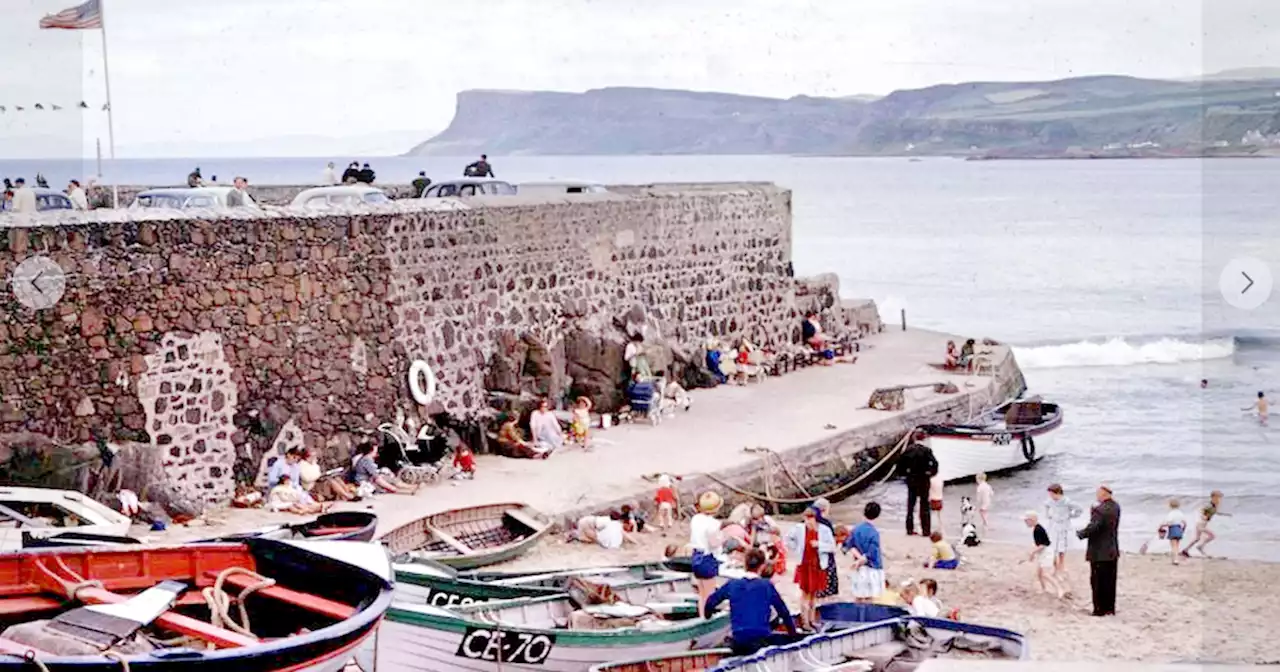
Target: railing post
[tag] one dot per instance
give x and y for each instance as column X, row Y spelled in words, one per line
column 904, row 319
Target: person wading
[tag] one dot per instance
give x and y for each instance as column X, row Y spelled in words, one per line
column 917, row 465
column 1103, row 552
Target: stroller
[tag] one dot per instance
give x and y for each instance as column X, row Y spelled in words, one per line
column 414, row 463
column 645, row 399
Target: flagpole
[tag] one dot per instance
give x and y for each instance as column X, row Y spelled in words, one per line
column 111, row 124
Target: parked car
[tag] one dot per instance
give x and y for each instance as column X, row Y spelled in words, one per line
column 557, row 187
column 46, row 199
column 187, row 198
column 469, row 186
column 339, row 196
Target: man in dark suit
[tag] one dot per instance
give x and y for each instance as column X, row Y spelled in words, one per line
column 917, row 465
column 1103, row 552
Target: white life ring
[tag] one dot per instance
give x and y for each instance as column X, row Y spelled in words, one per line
column 416, row 371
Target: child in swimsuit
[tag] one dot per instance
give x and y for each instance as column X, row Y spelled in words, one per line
column 581, row 421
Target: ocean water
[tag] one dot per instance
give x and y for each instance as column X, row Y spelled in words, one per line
column 1104, row 274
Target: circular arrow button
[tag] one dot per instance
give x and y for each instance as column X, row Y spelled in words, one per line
column 1245, row 283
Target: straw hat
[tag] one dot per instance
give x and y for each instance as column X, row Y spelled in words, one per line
column 709, row 502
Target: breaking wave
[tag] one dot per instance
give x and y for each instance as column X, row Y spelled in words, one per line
column 1124, row 352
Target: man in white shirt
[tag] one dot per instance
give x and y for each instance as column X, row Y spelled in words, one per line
column 330, row 176
column 79, row 200
column 24, row 197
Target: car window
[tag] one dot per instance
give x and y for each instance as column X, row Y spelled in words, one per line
column 467, row 190
column 52, row 202
column 160, row 201
column 316, row 202
column 498, row 188
column 199, row 202
column 376, row 198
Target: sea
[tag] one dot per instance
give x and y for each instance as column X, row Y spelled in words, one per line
column 1104, row 275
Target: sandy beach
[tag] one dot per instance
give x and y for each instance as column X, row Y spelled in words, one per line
column 1210, row 610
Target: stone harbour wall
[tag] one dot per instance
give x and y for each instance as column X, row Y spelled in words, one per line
column 211, row 336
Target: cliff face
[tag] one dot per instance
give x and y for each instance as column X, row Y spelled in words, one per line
column 1044, row 117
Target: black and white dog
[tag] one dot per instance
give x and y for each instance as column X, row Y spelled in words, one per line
column 968, row 530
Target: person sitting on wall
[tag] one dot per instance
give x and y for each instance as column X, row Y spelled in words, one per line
column 953, row 356
column 966, row 355
column 811, row 332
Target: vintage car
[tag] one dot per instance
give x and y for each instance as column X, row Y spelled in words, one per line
column 321, row 198
column 187, row 198
column 469, row 186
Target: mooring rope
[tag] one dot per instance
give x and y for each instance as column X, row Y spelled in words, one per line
column 220, row 602
column 844, row 488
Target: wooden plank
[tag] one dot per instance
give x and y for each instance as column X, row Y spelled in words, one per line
column 319, row 605
column 449, row 539
column 219, row 637
column 525, row 519
column 10, row 606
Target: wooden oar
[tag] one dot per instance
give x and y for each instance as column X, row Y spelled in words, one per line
column 106, row 624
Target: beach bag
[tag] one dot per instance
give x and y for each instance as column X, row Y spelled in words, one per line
column 705, row 565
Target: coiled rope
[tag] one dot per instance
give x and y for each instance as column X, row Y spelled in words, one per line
column 220, row 602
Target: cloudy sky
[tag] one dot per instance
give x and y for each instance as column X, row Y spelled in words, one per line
column 190, row 75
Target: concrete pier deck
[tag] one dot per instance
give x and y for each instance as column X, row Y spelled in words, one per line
column 789, row 414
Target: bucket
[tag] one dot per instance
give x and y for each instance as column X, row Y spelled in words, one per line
column 606, row 421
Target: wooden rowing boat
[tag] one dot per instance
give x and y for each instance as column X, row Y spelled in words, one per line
column 430, row 583
column 29, row 515
column 307, row 607
column 468, row 538
column 541, row 633
column 334, row 526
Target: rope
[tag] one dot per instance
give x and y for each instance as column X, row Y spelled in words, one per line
column 785, row 469
column 114, row 655
column 74, row 591
column 30, row 657
column 844, row 488
column 220, row 602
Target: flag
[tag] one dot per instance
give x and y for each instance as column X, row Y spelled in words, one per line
column 80, row 17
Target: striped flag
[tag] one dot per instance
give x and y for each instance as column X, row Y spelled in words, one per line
column 80, row 17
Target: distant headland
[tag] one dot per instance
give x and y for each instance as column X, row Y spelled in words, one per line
column 1086, row 117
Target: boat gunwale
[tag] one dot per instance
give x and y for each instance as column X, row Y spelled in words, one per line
column 606, row 667
column 479, row 557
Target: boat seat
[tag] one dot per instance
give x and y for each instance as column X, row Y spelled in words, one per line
column 319, row 605
column 13, row 606
column 12, row 648
column 525, row 519
column 449, row 539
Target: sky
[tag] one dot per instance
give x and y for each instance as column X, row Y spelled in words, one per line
column 264, row 76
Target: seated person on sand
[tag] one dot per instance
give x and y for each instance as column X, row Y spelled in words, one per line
column 545, row 427
column 322, row 487
column 944, row 554
column 512, row 441
column 287, row 497
column 952, row 360
column 367, row 477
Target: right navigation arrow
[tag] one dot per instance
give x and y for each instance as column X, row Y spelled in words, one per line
column 1246, row 277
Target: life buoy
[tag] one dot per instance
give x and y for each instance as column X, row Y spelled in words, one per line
column 417, row 370
column 1028, row 447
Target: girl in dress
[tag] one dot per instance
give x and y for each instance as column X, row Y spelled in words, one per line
column 812, row 542
column 581, row 421
column 823, row 506
column 1058, row 512
column 667, row 503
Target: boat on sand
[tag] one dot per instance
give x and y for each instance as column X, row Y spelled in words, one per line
column 333, row 526
column 468, row 538
column 255, row 605
column 29, row 515
column 555, row 633
column 1014, row 435
column 427, row 582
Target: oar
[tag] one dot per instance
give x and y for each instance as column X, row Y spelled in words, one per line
column 104, row 625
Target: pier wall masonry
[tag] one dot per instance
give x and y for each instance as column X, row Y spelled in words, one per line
column 206, row 335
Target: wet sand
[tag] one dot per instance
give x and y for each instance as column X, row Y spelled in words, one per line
column 1211, row 610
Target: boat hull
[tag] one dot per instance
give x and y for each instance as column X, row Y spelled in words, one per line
column 469, row 538
column 424, row 584
column 689, row 661
column 962, row 458
column 411, row 642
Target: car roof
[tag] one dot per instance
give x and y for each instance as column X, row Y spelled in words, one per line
column 342, row 189
column 46, row 191
column 471, row 180
column 184, row 191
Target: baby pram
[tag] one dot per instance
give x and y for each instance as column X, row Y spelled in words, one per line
column 417, row 462
column 645, row 399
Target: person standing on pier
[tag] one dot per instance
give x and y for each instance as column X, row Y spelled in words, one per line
column 1103, row 552
column 917, row 465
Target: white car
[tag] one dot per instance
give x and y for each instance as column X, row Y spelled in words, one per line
column 44, row 512
column 469, row 186
column 321, row 198
column 187, row 198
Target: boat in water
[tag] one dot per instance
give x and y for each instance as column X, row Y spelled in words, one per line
column 555, row 633
column 30, row 515
column 254, row 605
column 468, row 538
column 437, row 585
column 1015, row 435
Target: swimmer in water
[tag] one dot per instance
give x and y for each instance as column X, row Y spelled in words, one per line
column 1261, row 406
column 1204, row 383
